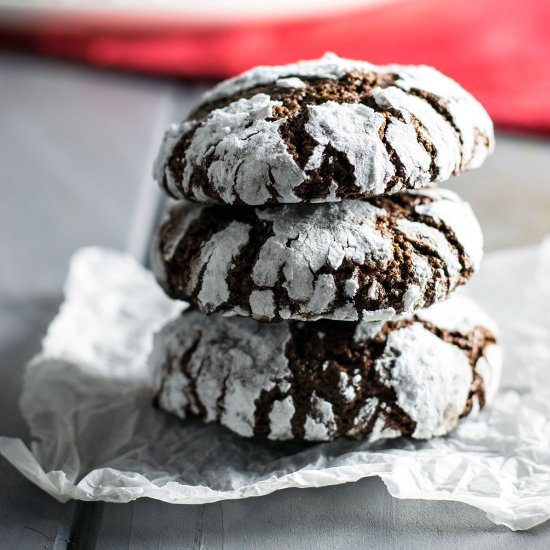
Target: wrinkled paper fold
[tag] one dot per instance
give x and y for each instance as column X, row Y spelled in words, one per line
column 95, row 435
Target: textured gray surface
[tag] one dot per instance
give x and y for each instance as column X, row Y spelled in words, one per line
column 75, row 150
column 358, row 515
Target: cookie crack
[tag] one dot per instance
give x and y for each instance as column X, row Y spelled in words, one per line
column 438, row 105
column 316, row 363
column 396, row 180
column 456, row 245
column 240, row 280
column 199, row 179
column 271, row 186
column 427, row 145
column 220, row 401
column 177, row 162
column 408, row 205
column 263, row 407
column 192, row 379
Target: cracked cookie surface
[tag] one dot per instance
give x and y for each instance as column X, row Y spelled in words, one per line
column 323, row 131
column 364, row 259
column 414, row 376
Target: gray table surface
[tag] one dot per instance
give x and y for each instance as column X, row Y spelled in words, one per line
column 76, row 146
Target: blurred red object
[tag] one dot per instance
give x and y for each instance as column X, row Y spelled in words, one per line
column 497, row 49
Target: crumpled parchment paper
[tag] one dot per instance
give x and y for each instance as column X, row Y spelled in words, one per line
column 95, row 435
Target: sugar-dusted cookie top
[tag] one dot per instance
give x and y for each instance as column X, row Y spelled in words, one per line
column 363, row 259
column 323, row 131
column 414, row 376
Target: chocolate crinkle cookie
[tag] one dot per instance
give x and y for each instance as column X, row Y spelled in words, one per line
column 323, row 131
column 364, row 259
column 414, row 376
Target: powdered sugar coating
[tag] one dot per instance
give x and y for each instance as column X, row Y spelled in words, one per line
column 280, row 417
column 411, row 126
column 413, row 363
column 344, row 261
column 214, row 262
column 468, row 117
column 409, row 378
column 230, row 359
column 354, row 130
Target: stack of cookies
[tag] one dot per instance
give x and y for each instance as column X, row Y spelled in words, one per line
column 322, row 262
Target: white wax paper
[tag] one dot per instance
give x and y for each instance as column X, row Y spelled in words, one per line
column 95, row 435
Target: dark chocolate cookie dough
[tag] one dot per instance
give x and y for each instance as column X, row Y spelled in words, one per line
column 346, row 261
column 323, row 131
column 414, row 376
